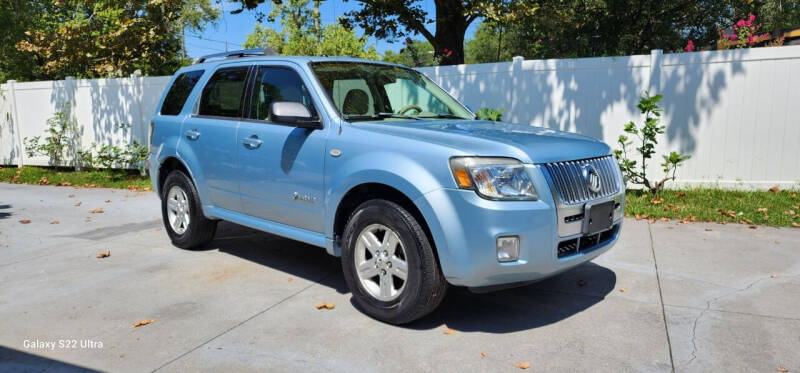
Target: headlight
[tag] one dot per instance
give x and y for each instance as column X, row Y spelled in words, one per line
column 494, row 178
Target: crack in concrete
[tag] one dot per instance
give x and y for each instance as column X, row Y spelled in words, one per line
column 661, row 297
column 708, row 308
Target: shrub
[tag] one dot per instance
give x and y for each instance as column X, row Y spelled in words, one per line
column 494, row 115
column 58, row 142
column 635, row 172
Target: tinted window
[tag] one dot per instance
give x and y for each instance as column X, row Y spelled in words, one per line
column 274, row 84
column 179, row 92
column 222, row 95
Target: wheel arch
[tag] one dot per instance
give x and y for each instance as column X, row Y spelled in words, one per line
column 361, row 193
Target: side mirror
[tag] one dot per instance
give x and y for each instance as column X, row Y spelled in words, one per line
column 293, row 113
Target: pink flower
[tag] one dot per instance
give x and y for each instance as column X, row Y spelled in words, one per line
column 748, row 23
column 689, row 46
column 740, row 23
column 751, row 17
column 750, row 39
column 734, row 36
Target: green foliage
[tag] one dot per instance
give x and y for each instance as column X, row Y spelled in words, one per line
column 96, row 38
column 104, row 178
column 416, row 53
column 130, row 155
column 494, row 115
column 775, row 208
column 58, row 142
column 585, row 28
column 647, row 134
column 302, row 34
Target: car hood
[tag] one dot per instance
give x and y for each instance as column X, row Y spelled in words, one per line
column 484, row 138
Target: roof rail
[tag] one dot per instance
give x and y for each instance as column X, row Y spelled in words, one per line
column 238, row 54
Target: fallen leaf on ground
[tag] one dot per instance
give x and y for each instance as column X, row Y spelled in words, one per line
column 752, row 227
column 449, row 331
column 289, row 279
column 775, row 189
column 773, row 276
column 795, row 225
column 104, row 254
column 325, row 305
column 71, row 196
column 483, row 355
column 783, row 369
column 664, row 219
column 142, row 323
column 656, row 201
column 98, row 210
column 680, row 194
column 25, row 221
column 640, row 217
column 708, row 229
column 524, row 365
column 747, row 221
column 762, row 209
column 789, row 212
column 729, row 213
column 76, row 204
column 54, row 222
column 44, row 181
column 622, row 290
column 793, row 195
column 108, row 201
column 64, row 183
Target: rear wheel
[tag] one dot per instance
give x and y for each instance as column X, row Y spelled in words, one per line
column 182, row 213
column 389, row 264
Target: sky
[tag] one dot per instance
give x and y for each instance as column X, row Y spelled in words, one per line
column 232, row 29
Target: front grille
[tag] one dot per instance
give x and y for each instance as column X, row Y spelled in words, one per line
column 567, row 179
column 585, row 243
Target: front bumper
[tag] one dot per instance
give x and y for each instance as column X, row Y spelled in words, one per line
column 467, row 227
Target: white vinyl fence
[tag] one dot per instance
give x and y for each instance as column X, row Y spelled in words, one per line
column 736, row 112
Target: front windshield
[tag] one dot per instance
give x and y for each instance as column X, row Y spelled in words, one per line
column 364, row 91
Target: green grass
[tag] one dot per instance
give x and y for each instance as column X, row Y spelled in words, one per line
column 100, row 178
column 779, row 208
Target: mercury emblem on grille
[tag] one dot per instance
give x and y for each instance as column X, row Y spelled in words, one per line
column 592, row 178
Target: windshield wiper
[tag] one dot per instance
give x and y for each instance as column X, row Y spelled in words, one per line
column 444, row 116
column 379, row 116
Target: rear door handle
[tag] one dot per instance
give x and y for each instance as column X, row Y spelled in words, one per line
column 192, row 134
column 252, row 142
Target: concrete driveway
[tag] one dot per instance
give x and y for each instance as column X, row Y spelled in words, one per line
column 692, row 297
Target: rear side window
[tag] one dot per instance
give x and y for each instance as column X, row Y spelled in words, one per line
column 179, row 92
column 222, row 95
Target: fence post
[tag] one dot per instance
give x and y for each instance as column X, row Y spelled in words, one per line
column 15, row 124
column 136, row 79
column 71, row 86
column 654, row 84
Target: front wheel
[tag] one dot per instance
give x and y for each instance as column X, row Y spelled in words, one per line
column 389, row 264
column 182, row 213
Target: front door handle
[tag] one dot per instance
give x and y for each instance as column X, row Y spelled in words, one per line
column 252, row 142
column 192, row 134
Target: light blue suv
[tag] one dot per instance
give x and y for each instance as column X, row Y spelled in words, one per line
column 378, row 165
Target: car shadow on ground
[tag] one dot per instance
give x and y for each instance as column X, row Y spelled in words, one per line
column 4, row 214
column 506, row 311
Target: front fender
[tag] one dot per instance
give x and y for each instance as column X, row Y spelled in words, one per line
column 389, row 168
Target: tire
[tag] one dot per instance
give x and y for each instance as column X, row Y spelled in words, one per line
column 407, row 300
column 199, row 230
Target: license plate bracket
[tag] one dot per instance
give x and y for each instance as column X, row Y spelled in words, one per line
column 598, row 217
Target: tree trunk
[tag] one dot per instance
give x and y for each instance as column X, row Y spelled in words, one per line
column 451, row 25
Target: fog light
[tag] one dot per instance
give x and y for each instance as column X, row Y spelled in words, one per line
column 507, row 248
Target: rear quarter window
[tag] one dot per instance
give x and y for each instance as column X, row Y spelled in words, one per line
column 179, row 92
